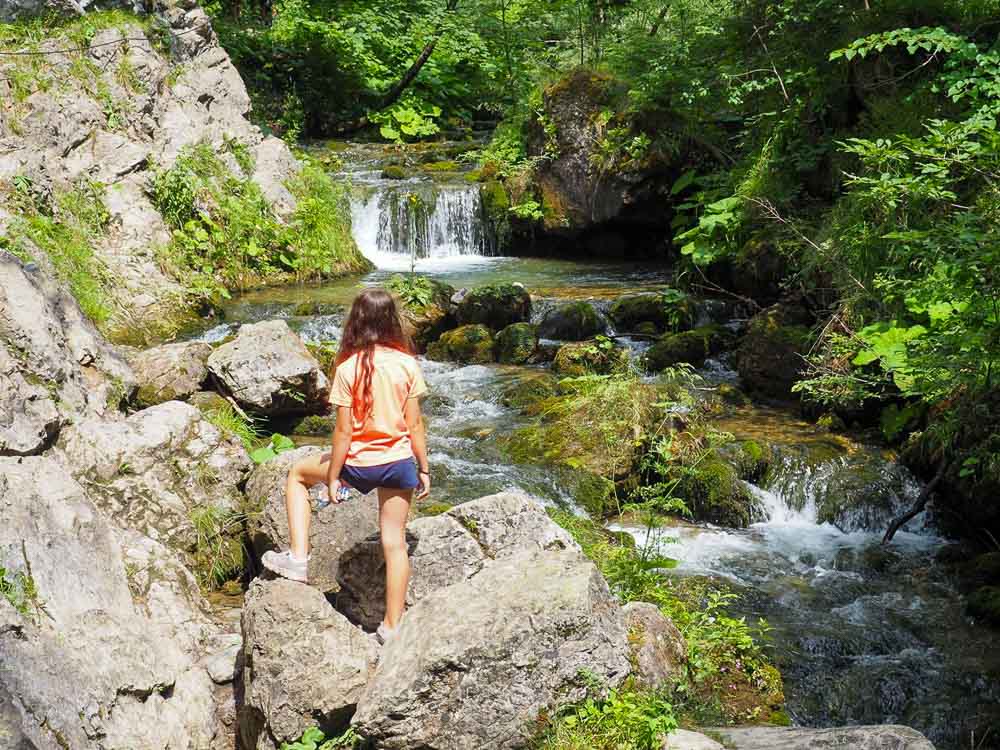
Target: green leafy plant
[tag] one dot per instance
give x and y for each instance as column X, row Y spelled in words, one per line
column 407, row 121
column 623, row 720
column 529, row 210
column 412, row 290
column 314, row 739
column 18, row 588
column 276, row 445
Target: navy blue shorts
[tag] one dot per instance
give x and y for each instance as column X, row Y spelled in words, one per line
column 398, row 475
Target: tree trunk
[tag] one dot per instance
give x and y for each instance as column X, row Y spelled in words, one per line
column 919, row 505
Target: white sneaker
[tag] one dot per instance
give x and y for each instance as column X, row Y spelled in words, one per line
column 286, row 566
column 385, row 633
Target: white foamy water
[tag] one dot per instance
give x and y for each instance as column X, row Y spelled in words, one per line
column 394, row 222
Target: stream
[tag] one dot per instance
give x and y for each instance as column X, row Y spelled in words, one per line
column 862, row 634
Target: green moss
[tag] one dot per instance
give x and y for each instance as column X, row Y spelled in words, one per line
column 595, row 494
column 693, row 347
column 325, row 353
column 393, row 172
column 753, row 460
column 441, row 166
column 589, row 357
column 516, row 343
column 495, row 305
column 528, row 391
column 434, row 509
column 732, row 395
column 314, row 425
column 714, row 493
column 469, row 344
column 496, row 204
column 830, row 422
column 573, row 321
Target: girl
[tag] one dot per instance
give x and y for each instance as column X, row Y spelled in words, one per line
column 378, row 443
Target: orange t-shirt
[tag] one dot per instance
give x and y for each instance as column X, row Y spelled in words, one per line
column 383, row 437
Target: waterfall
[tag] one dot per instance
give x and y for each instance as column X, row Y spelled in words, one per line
column 430, row 221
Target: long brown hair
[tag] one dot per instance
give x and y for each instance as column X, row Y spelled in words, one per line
column 373, row 321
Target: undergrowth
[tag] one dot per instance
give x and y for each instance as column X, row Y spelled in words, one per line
column 226, row 235
column 66, row 230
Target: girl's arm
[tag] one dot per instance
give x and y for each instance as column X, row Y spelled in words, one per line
column 418, row 438
column 338, row 454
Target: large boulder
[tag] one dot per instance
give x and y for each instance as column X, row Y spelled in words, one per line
column 659, row 651
column 304, row 664
column 446, row 549
column 516, row 344
column 156, row 471
column 589, row 357
column 475, row 663
column 885, row 737
column 771, row 357
column 269, row 370
column 692, row 347
column 495, row 306
column 334, row 532
column 468, row 344
column 573, row 321
column 54, row 365
column 667, row 310
column 171, row 372
column 85, row 668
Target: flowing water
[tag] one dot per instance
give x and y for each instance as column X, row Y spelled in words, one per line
column 862, row 633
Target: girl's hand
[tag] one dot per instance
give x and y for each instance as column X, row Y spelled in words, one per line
column 424, row 487
column 333, row 490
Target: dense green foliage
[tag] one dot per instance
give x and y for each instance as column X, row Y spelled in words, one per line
column 226, row 234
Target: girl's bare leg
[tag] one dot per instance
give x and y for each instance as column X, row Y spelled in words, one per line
column 393, row 510
column 304, row 474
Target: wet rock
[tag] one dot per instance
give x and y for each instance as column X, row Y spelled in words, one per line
column 304, row 664
column 445, row 549
column 528, row 389
column 334, row 531
column 476, row 662
column 170, row 372
column 468, row 344
column 155, row 470
column 886, row 737
column 692, row 347
column 682, row 739
column 495, row 306
column 85, row 668
column 268, row 370
column 581, row 358
column 659, row 651
column 54, row 365
column 516, row 344
column 574, row 321
column 770, row 357
column 631, row 312
column 713, row 491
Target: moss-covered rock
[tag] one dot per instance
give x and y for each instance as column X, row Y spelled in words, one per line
column 635, row 311
column 594, row 493
column 496, row 204
column 585, row 357
column 770, row 358
column 441, row 166
column 830, row 422
column 730, row 394
column 573, row 321
column 752, row 460
column 528, row 390
column 984, row 604
column 714, row 493
column 693, row 347
column 394, row 172
column 469, row 344
column 495, row 305
column 314, row 425
column 516, row 343
column 311, row 307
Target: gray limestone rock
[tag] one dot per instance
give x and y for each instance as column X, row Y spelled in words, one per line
column 170, row 372
column 304, row 663
column 474, row 663
column 884, row 737
column 658, row 648
column 268, row 369
column 153, row 471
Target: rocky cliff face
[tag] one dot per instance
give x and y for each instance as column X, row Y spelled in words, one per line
column 140, row 91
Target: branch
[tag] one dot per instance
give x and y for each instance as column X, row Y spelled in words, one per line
column 918, row 506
